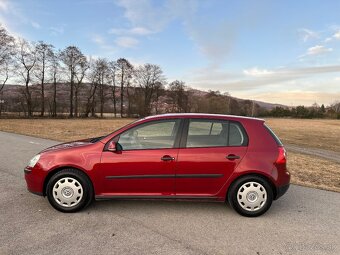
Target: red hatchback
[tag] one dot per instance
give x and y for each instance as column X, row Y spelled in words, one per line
column 172, row 156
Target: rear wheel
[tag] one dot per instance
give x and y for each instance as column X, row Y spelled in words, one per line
column 69, row 190
column 250, row 196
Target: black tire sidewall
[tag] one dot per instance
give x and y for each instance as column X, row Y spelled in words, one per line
column 81, row 178
column 232, row 195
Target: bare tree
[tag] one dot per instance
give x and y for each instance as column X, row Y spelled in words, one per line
column 26, row 60
column 44, row 55
column 55, row 73
column 112, row 75
column 72, row 57
column 148, row 77
column 124, row 69
column 159, row 91
column 178, row 96
column 79, row 75
column 6, row 54
column 336, row 106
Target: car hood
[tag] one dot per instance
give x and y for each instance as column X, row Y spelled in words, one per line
column 70, row 145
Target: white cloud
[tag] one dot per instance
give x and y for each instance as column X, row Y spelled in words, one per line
column 131, row 31
column 55, row 31
column 328, row 39
column 337, row 35
column 307, row 34
column 103, row 44
column 144, row 13
column 126, row 42
column 318, row 49
column 253, row 79
column 297, row 97
column 256, row 72
column 98, row 39
column 36, row 25
column 4, row 5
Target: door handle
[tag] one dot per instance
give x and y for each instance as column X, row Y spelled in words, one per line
column 232, row 157
column 167, row 158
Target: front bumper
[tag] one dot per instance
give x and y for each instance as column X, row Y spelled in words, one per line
column 34, row 181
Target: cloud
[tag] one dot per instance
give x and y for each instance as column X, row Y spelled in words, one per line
column 337, row 35
column 317, row 50
column 294, row 98
column 4, row 5
column 328, row 39
column 307, row 34
column 126, row 42
column 139, row 31
column 144, row 13
column 256, row 72
column 213, row 39
column 55, row 31
column 254, row 78
column 103, row 44
column 36, row 25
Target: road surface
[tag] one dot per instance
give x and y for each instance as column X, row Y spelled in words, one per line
column 326, row 154
column 304, row 221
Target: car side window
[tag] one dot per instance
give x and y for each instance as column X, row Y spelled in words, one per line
column 215, row 133
column 236, row 135
column 153, row 135
column 203, row 133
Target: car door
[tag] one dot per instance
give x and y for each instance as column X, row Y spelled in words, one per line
column 211, row 151
column 146, row 164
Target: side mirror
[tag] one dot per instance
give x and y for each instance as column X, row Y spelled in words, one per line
column 114, row 147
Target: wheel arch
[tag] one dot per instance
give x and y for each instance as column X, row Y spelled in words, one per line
column 266, row 178
column 59, row 169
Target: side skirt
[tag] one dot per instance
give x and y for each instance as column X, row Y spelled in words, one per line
column 109, row 197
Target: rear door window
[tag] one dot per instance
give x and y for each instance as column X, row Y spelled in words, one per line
column 215, row 133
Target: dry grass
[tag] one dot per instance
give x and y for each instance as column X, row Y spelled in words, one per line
column 62, row 129
column 316, row 133
column 306, row 170
column 314, row 172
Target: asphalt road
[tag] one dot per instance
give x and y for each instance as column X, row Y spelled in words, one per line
column 326, row 154
column 304, row 221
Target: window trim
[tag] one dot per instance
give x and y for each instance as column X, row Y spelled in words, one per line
column 177, row 135
column 185, row 133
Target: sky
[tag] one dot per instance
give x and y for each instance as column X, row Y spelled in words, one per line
column 280, row 51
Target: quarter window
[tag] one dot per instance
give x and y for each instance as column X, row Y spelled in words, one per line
column 236, row 136
column 154, row 135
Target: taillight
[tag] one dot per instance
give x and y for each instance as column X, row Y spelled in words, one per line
column 282, row 157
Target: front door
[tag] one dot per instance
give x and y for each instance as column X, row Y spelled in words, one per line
column 211, row 152
column 146, row 164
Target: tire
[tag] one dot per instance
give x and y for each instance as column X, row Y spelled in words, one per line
column 250, row 196
column 69, row 190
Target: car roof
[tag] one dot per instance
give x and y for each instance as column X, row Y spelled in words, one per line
column 201, row 115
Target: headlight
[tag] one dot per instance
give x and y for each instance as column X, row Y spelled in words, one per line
column 34, row 160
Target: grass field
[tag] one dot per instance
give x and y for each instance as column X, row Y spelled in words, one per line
column 306, row 170
column 315, row 133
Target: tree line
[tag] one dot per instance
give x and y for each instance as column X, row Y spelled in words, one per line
column 303, row 112
column 97, row 86
column 130, row 90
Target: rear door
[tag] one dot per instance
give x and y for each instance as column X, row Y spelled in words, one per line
column 210, row 151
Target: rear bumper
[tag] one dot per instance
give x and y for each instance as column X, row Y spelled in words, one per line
column 280, row 191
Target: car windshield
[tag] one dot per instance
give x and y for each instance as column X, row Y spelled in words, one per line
column 96, row 139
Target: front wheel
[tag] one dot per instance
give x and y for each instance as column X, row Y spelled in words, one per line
column 250, row 196
column 69, row 190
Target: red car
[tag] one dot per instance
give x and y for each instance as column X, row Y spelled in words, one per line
column 171, row 156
